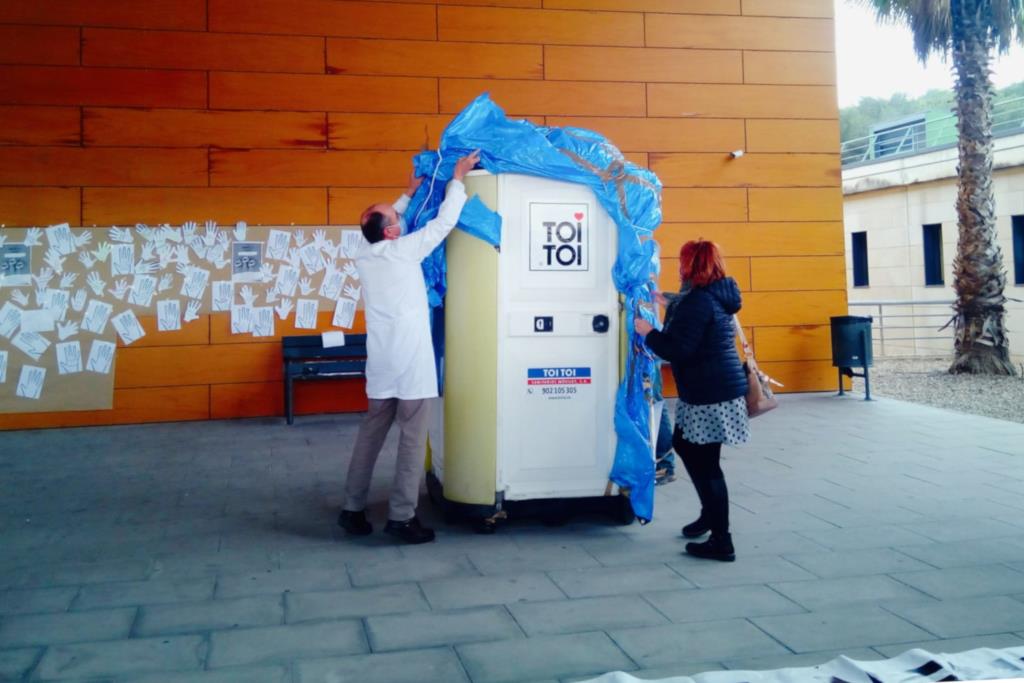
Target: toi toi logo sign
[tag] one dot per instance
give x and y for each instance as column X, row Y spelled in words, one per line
column 559, row 237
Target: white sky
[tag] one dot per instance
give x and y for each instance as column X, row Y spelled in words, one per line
column 878, row 60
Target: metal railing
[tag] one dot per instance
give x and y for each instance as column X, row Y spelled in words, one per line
column 922, row 134
column 892, row 325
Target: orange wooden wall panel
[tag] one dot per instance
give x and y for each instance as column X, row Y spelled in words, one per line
column 36, row 206
column 682, row 6
column 303, row 92
column 796, row 204
column 751, row 170
column 102, row 166
column 788, row 8
column 749, row 33
column 385, row 131
column 39, row 45
column 131, row 406
column 757, row 239
column 101, row 87
column 204, row 51
column 303, row 112
column 324, row 18
column 547, row 97
column 40, row 125
column 798, row 273
column 803, row 375
column 663, row 135
column 257, row 205
column 796, row 68
column 278, row 168
column 780, row 135
column 742, row 101
column 703, row 204
column 547, row 27
column 642, row 64
column 165, row 14
column 431, row 58
column 200, row 128
column 348, row 203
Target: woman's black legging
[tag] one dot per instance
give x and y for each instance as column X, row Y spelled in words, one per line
column 700, row 459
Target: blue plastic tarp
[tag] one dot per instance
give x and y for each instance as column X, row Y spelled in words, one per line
column 632, row 197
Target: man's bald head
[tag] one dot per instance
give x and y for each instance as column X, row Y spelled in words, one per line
column 378, row 222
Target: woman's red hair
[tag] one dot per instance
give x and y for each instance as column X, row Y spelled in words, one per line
column 700, row 263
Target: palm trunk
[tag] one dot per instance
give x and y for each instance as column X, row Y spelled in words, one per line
column 981, row 345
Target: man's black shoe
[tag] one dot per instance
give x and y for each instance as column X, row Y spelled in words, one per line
column 410, row 531
column 355, row 523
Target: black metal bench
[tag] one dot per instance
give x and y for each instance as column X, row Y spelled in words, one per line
column 306, row 358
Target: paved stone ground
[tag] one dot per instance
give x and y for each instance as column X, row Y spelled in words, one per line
column 208, row 552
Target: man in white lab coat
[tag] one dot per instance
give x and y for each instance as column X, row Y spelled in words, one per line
column 400, row 372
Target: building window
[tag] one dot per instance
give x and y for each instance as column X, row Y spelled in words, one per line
column 1018, row 250
column 859, row 248
column 933, row 254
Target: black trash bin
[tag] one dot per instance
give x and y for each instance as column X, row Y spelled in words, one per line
column 851, row 348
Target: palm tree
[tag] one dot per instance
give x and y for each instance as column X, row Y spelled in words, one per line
column 971, row 30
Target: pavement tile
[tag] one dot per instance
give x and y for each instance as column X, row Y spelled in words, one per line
column 69, row 573
column 14, row 664
column 952, row 645
column 127, row 593
column 713, row 604
column 65, row 627
column 961, row 618
column 840, row 628
column 965, row 582
column 544, row 557
column 968, row 553
column 760, row 570
column 582, row 583
column 357, row 602
column 281, row 580
column 122, row 657
column 697, row 642
column 211, row 615
column 836, row 564
column 37, row 600
column 512, row 661
column 873, row 536
column 771, row 663
column 585, row 614
column 951, row 530
column 429, row 629
column 270, row 645
column 262, row 674
column 755, row 543
column 404, row 570
column 490, row 590
column 850, row 590
column 436, row 665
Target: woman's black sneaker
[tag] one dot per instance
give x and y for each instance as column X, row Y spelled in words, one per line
column 410, row 531
column 355, row 523
column 696, row 528
column 718, row 547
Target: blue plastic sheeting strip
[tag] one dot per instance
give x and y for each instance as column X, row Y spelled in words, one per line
column 632, row 197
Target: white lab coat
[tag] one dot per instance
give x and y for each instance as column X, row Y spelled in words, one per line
column 399, row 349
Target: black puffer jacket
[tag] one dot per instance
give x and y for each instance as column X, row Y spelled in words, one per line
column 699, row 342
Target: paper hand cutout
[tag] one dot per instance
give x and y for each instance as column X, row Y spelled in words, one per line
column 300, row 237
column 240, row 228
column 33, row 237
column 20, row 297
column 67, row 280
column 86, row 259
column 119, row 290
column 123, row 235
column 54, row 260
column 78, row 300
column 353, row 292
column 65, row 330
column 305, row 286
column 284, row 308
column 192, row 311
column 166, row 281
column 248, row 296
column 83, row 238
column 43, row 278
column 96, row 284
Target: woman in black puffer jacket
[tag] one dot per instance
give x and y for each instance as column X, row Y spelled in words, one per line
column 698, row 340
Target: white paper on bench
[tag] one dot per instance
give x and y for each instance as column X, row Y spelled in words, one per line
column 332, row 339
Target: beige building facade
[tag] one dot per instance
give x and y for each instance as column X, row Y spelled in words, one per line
column 900, row 217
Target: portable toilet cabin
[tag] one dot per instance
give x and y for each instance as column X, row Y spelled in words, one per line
column 532, row 361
